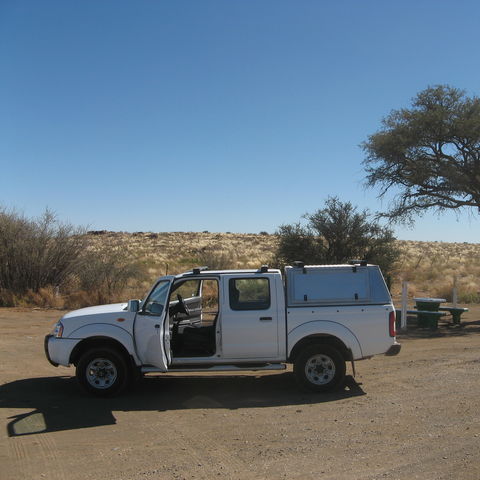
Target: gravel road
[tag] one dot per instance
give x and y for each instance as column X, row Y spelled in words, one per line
column 406, row 417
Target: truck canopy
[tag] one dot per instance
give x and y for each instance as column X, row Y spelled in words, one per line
column 335, row 285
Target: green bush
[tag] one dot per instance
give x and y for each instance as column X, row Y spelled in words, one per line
column 336, row 234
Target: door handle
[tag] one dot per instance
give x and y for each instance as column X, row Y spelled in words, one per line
column 266, row 319
column 157, row 326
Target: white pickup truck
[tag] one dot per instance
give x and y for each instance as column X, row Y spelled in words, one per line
column 315, row 317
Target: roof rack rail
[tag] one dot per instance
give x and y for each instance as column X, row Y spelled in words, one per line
column 197, row 270
column 264, row 269
column 362, row 263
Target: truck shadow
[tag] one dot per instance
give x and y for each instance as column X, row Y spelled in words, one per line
column 57, row 404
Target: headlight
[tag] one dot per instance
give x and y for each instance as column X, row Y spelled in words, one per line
column 57, row 330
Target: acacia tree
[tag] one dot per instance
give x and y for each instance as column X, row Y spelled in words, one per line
column 428, row 154
column 334, row 234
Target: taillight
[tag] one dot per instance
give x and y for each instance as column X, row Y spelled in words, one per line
column 391, row 324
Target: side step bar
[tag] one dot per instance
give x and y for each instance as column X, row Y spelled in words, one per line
column 219, row 368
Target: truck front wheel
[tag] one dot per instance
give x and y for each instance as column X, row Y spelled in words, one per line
column 102, row 372
column 319, row 368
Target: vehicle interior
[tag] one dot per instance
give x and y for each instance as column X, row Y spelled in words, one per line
column 193, row 313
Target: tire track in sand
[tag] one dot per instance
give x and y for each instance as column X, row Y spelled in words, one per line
column 35, row 456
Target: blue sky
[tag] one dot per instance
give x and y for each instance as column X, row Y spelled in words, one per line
column 225, row 115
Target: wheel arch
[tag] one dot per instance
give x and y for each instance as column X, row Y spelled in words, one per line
column 323, row 338
column 327, row 332
column 100, row 342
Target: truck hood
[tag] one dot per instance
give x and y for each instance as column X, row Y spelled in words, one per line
column 97, row 310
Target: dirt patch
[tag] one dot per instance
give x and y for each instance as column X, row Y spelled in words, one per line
column 405, row 417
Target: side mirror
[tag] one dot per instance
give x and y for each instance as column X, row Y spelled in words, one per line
column 133, row 305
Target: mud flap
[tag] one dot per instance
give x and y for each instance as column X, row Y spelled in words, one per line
column 353, row 364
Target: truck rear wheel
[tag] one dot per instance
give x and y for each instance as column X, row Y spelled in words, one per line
column 319, row 368
column 102, row 372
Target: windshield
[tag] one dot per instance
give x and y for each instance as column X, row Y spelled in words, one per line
column 156, row 301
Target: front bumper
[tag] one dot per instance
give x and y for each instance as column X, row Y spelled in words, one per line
column 47, row 353
column 58, row 350
column 394, row 350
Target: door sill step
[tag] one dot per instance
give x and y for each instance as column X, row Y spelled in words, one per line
column 219, row 368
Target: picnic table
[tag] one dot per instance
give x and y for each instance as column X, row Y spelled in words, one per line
column 428, row 311
column 433, row 305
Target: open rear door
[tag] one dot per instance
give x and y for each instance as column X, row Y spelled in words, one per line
column 151, row 328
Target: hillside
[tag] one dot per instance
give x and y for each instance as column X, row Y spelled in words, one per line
column 429, row 267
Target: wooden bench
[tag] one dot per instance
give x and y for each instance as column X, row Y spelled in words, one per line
column 456, row 312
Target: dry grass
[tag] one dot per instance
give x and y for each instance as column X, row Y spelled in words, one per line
column 429, row 267
column 176, row 252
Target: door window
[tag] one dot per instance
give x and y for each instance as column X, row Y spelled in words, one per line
column 249, row 293
column 187, row 289
column 156, row 301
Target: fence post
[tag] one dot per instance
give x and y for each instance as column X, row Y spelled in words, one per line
column 403, row 317
column 455, row 292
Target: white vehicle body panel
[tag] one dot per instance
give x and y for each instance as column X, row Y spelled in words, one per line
column 107, row 330
column 149, row 338
column 103, row 314
column 363, row 329
column 252, row 334
column 151, row 329
column 97, row 310
column 108, row 321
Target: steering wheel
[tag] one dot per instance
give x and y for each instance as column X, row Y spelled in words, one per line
column 182, row 306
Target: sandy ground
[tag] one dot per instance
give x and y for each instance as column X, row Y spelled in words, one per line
column 411, row 416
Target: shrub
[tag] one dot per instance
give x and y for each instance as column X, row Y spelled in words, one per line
column 104, row 274
column 336, row 234
column 48, row 263
column 36, row 253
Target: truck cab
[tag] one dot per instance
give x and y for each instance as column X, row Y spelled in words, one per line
column 210, row 317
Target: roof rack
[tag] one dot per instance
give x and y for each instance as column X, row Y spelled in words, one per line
column 197, row 270
column 362, row 263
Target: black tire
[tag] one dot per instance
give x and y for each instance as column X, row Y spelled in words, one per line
column 319, row 368
column 103, row 372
